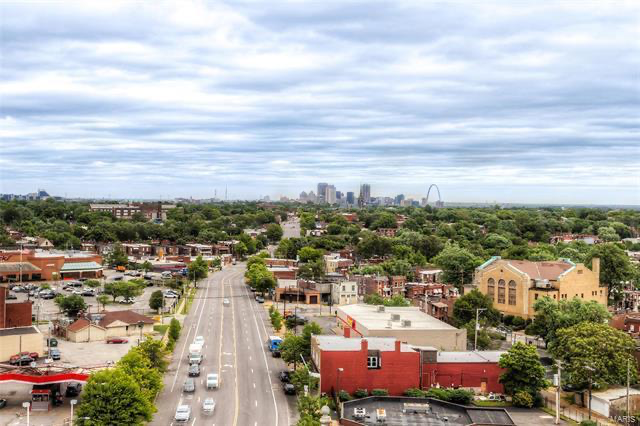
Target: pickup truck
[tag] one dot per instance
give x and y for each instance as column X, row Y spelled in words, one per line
column 23, row 358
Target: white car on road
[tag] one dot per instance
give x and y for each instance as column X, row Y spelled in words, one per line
column 226, row 302
column 212, row 381
column 199, row 340
column 183, row 414
column 208, row 406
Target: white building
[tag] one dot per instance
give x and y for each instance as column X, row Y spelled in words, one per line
column 344, row 293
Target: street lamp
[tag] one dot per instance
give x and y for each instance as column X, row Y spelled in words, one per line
column 27, row 405
column 340, row 370
column 72, row 402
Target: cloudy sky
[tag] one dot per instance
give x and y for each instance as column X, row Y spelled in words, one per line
column 507, row 101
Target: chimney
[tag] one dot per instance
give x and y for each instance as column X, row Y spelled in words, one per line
column 398, row 344
column 364, row 345
column 595, row 265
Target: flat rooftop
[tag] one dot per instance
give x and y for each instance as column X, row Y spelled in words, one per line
column 428, row 412
column 341, row 343
column 17, row 331
column 369, row 317
column 470, row 356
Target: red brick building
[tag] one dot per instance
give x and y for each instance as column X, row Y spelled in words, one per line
column 397, row 284
column 48, row 265
column 475, row 370
column 283, row 272
column 371, row 363
column 13, row 314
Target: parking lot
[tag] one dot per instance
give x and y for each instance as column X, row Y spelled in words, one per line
column 46, row 309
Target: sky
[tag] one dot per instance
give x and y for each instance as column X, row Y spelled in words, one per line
column 512, row 101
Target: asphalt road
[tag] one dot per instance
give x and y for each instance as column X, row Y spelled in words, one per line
column 235, row 347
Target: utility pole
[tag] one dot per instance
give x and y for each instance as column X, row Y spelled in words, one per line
column 558, row 393
column 628, row 418
column 475, row 339
column 590, row 370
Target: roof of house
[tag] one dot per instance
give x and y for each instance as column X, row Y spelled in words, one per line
column 341, row 343
column 16, row 267
column 77, row 325
column 546, row 270
column 470, row 356
column 614, row 393
column 16, row 331
column 369, row 317
column 80, row 266
column 128, row 317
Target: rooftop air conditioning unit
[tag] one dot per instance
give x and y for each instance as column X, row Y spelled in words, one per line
column 381, row 308
column 406, row 323
column 395, row 317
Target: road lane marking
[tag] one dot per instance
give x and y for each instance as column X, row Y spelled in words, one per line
column 256, row 401
column 254, row 385
column 235, row 359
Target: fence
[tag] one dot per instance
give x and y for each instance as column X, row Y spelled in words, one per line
column 577, row 414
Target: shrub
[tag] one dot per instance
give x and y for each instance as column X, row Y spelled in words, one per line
column 441, row 394
column 174, row 329
column 588, row 423
column 460, row 396
column 272, row 309
column 518, row 323
column 415, row 393
column 344, row 396
column 507, row 320
column 523, row 399
column 380, row 392
column 170, row 345
column 361, row 393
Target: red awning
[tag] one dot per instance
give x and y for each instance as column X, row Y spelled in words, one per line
column 43, row 380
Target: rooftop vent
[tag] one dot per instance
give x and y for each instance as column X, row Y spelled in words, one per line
column 381, row 308
column 395, row 317
column 406, row 323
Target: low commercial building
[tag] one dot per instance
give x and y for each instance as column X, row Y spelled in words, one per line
column 344, row 293
column 283, row 272
column 407, row 324
column 35, row 265
column 515, row 285
column 419, row 411
column 82, row 330
column 125, row 323
column 612, row 402
column 20, row 339
column 371, row 363
column 475, row 370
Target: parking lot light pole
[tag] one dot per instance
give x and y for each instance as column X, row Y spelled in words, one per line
column 340, row 370
column 590, row 370
column 140, row 325
column 27, row 405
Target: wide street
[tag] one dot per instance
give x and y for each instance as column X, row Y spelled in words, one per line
column 235, row 336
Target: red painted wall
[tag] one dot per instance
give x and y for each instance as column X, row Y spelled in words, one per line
column 399, row 371
column 468, row 375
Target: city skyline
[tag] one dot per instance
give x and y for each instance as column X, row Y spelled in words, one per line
column 494, row 102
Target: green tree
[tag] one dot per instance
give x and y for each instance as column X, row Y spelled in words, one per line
column 255, row 259
column 274, row 232
column 464, row 308
column 112, row 290
column 198, row 269
column 524, row 371
column 397, row 300
column 146, row 266
column 292, row 347
column 155, row 352
column 128, row 289
column 71, row 305
column 552, row 315
column 608, row 234
column 135, row 364
column 309, row 254
column 309, row 409
column 103, row 299
column 457, row 264
column 615, row 267
column 373, row 299
column 113, row 397
column 117, row 256
column 312, row 270
column 156, row 300
column 301, row 378
column 598, row 346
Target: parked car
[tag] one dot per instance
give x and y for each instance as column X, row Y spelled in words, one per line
column 47, row 294
column 117, row 340
column 3, row 402
column 212, row 381
column 170, row 294
column 19, row 289
column 128, row 301
column 21, row 360
column 289, row 389
column 183, row 414
column 276, row 353
column 87, row 293
column 11, row 296
column 226, row 302
column 52, row 342
column 259, row 299
column 208, row 406
column 73, row 389
column 54, row 354
column 148, row 277
column 285, row 377
column 189, row 385
column 194, row 370
column 117, row 277
column 299, row 319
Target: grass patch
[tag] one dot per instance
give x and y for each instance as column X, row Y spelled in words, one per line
column 187, row 305
column 161, row 328
column 481, row 403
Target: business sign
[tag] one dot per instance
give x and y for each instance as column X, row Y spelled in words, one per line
column 351, row 322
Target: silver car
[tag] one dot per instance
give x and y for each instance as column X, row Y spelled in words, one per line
column 183, row 414
column 208, row 406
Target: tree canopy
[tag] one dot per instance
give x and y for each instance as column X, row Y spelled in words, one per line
column 524, row 372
